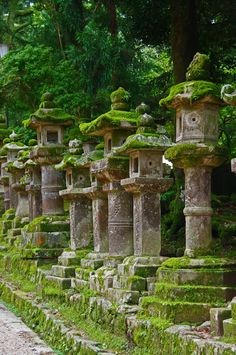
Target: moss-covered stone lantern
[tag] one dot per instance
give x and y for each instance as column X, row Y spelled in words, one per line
column 49, row 123
column 146, row 182
column 114, row 126
column 13, row 148
column 77, row 177
column 197, row 103
column 51, row 229
column 4, row 178
column 17, row 170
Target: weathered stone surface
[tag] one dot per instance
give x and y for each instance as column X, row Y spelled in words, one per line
column 123, row 296
column 52, row 183
column 120, row 220
column 100, row 217
column 217, row 316
column 229, row 327
column 63, row 271
column 197, row 210
column 62, row 283
column 205, row 277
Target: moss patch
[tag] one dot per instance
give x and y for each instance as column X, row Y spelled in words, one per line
column 194, row 91
column 111, row 119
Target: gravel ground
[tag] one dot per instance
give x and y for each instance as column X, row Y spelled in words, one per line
column 17, row 339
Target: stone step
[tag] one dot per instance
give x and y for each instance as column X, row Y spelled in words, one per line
column 176, row 312
column 137, row 270
column 206, row 277
column 62, row 283
column 68, row 259
column 63, row 271
column 120, row 296
column 132, row 283
column 194, row 293
column 91, row 263
column 229, row 326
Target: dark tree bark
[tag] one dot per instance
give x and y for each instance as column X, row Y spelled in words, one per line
column 183, row 36
column 113, row 26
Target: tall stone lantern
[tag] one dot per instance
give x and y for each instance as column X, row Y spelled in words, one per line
column 197, row 103
column 146, row 182
column 114, row 126
column 49, row 122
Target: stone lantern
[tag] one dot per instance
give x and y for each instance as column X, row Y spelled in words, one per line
column 77, row 177
column 49, row 123
column 146, row 182
column 13, row 148
column 17, row 170
column 4, row 178
column 197, row 103
column 114, row 126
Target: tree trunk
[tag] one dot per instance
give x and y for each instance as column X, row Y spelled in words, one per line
column 183, row 36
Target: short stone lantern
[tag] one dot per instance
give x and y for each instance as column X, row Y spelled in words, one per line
column 77, row 177
column 13, row 149
column 4, row 178
column 197, row 103
column 114, row 126
column 146, row 182
column 17, row 170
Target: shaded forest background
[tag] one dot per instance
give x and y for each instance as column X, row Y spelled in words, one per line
column 81, row 50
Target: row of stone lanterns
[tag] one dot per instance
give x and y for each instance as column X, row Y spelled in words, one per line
column 114, row 193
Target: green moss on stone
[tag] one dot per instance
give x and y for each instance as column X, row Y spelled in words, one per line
column 111, row 119
column 191, row 153
column 144, row 141
column 199, row 68
column 45, row 224
column 193, row 90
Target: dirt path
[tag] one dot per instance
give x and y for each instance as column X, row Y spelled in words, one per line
column 17, row 339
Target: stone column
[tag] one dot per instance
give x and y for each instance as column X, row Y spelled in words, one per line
column 147, row 218
column 120, row 220
column 52, row 183
column 34, row 190
column 80, row 222
column 22, row 209
column 100, row 218
column 197, row 209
